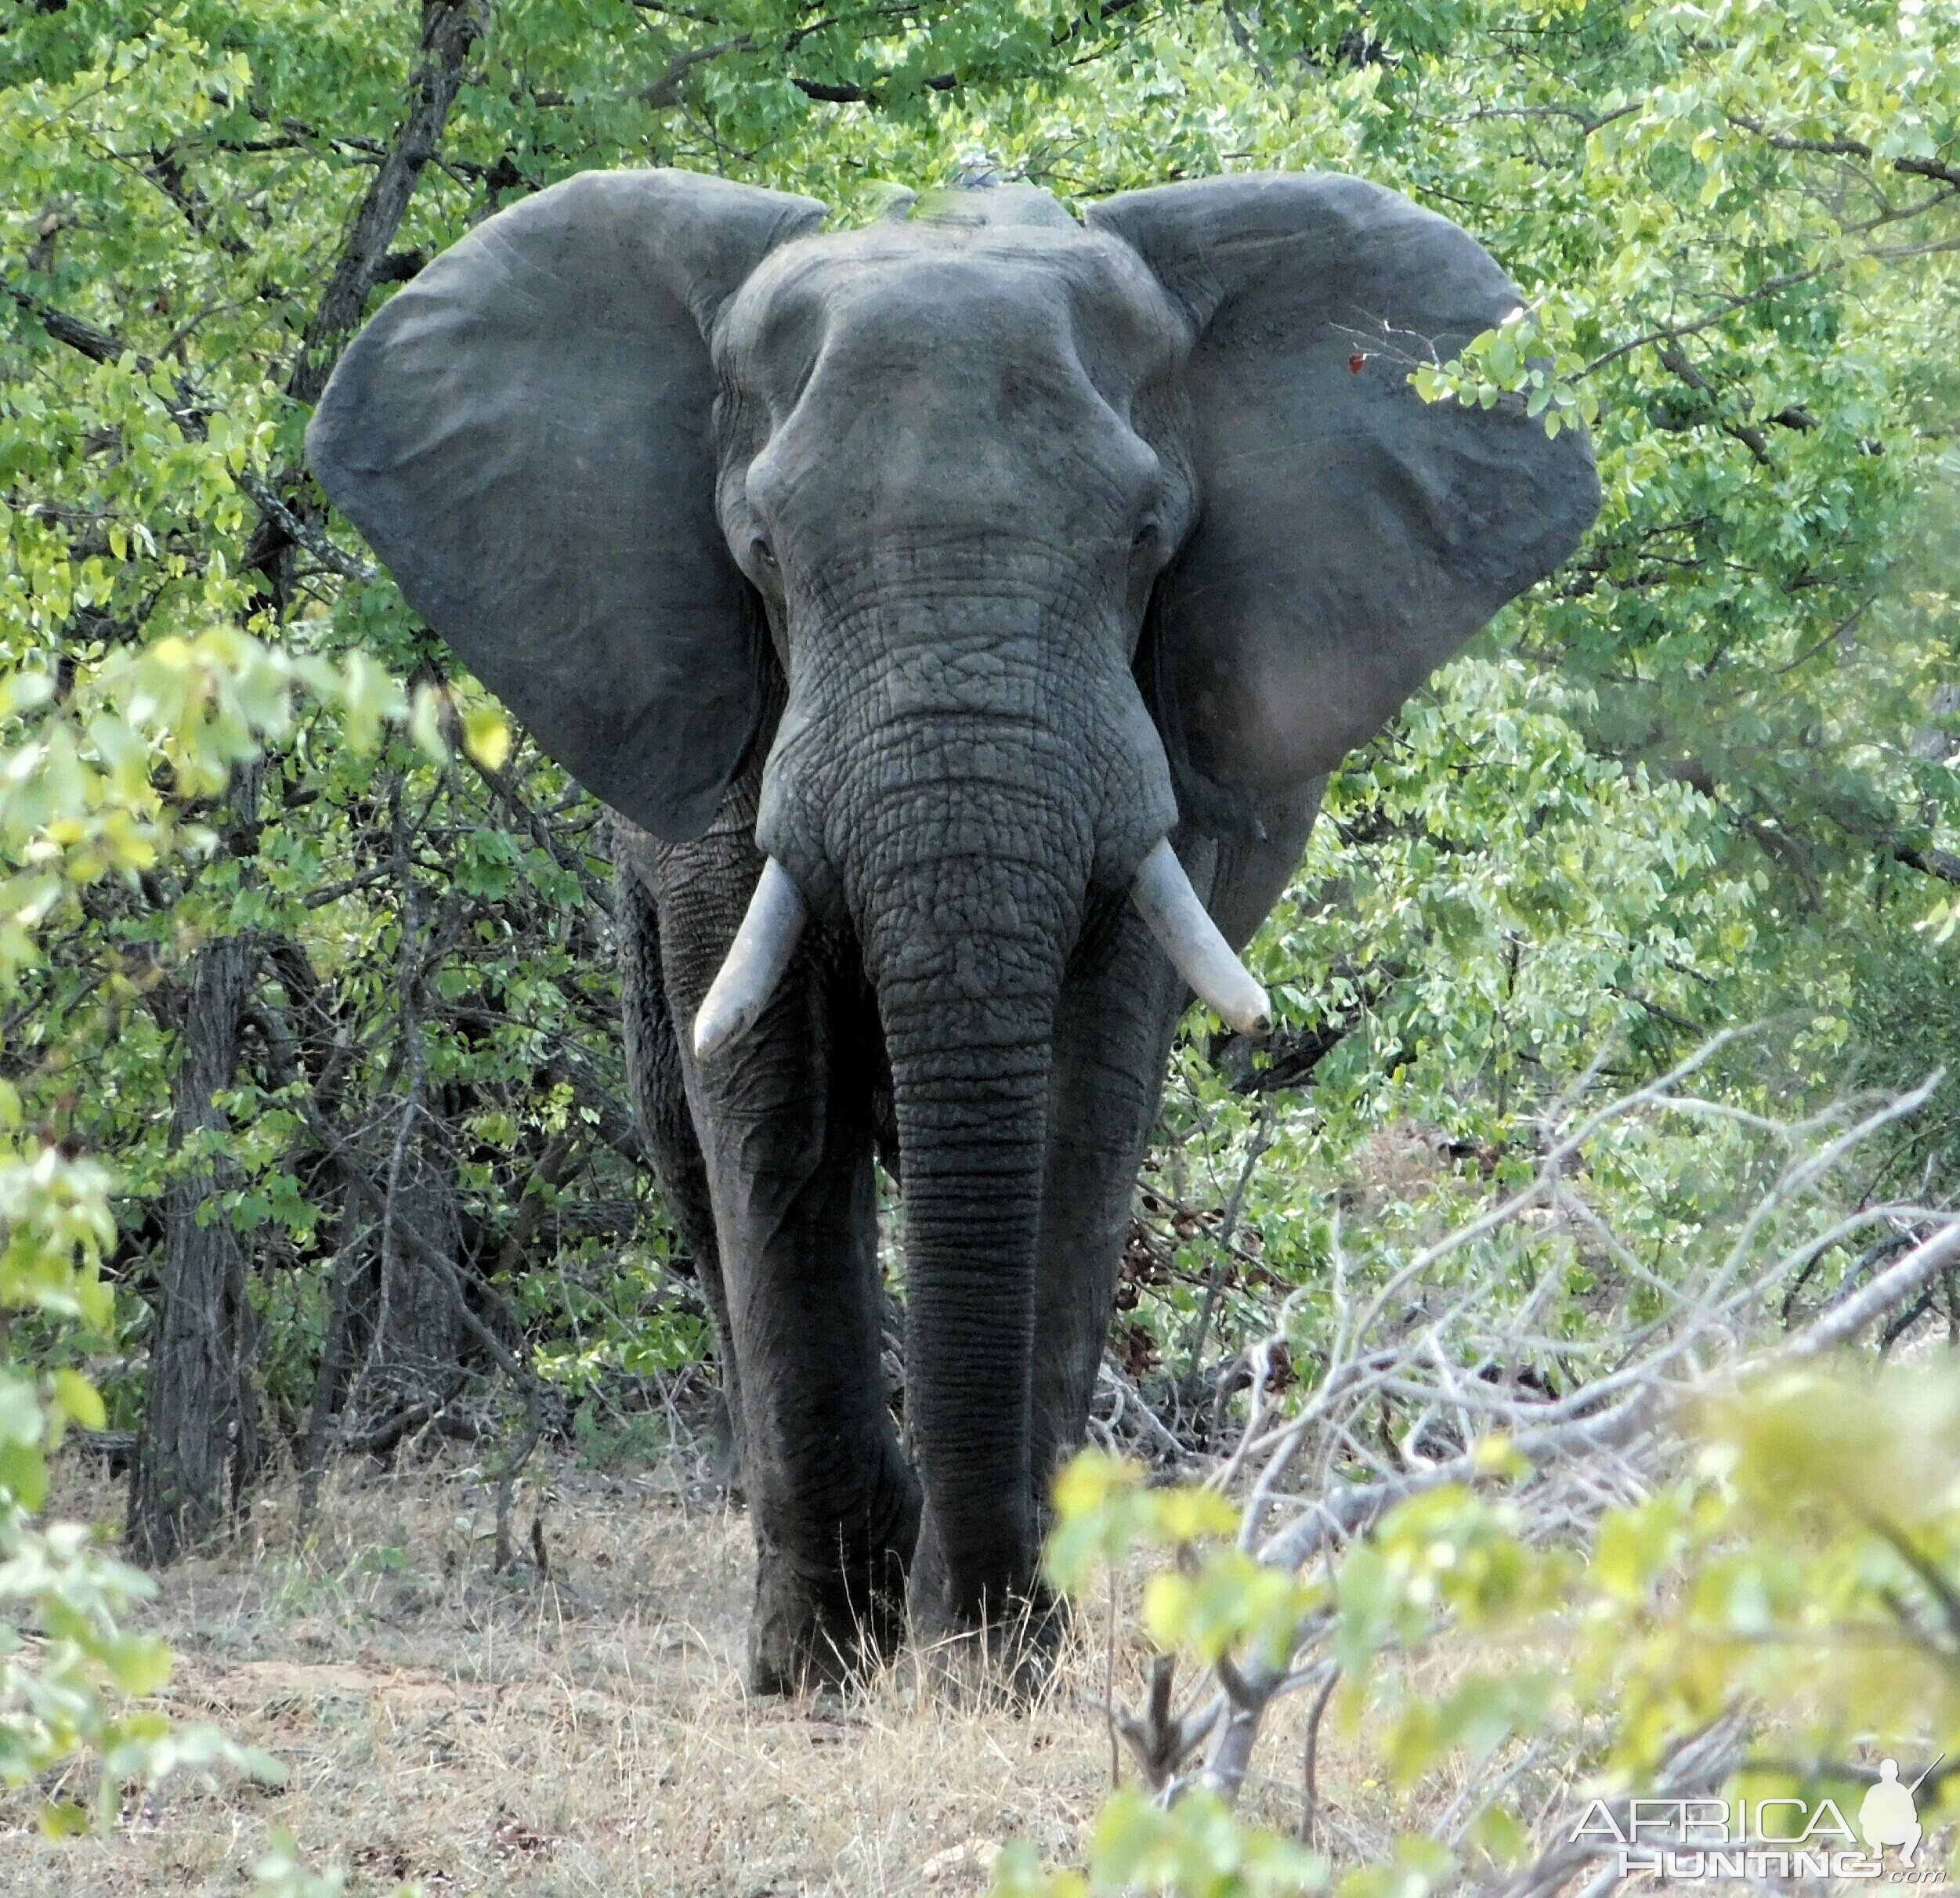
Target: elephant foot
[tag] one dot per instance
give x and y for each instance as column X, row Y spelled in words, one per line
column 984, row 1630
column 1010, row 1662
column 834, row 1632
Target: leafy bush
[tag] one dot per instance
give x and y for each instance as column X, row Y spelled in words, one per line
column 79, row 802
column 1681, row 1559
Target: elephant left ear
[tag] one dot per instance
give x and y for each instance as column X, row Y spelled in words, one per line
column 1350, row 536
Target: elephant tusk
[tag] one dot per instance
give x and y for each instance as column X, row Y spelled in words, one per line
column 756, row 960
column 1186, row 934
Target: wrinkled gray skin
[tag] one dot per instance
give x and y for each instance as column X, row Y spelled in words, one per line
column 953, row 561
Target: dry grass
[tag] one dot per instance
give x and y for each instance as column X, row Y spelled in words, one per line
column 588, row 1735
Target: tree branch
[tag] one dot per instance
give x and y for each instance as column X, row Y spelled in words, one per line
column 664, row 92
column 1929, row 862
column 303, row 534
column 449, row 29
column 98, row 345
column 1769, row 287
column 1675, row 358
column 1845, row 148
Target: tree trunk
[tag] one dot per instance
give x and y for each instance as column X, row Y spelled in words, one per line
column 421, row 1341
column 198, row 1448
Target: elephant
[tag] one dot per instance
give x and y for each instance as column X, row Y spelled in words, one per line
column 961, row 614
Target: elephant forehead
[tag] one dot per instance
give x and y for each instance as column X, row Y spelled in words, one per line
column 901, row 291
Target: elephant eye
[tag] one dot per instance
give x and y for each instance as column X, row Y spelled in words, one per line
column 764, row 555
column 1142, row 538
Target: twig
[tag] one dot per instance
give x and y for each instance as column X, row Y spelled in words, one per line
column 1310, row 1761
column 301, row 534
column 1445, row 1377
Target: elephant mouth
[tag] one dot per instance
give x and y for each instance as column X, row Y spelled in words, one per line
column 1161, row 892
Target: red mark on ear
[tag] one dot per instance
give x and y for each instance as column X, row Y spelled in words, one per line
column 1355, row 362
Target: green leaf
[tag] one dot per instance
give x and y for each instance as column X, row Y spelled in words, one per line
column 80, row 1400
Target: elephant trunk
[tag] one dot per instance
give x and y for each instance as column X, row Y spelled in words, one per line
column 971, row 1094
column 968, row 908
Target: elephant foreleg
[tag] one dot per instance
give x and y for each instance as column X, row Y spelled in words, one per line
column 1119, row 1012
column 659, row 1100
column 784, row 1118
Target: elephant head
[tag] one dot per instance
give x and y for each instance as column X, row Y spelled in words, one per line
column 1038, row 533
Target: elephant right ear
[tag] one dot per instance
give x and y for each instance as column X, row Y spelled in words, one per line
column 525, row 436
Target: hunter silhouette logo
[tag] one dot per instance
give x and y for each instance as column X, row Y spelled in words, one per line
column 1888, row 1816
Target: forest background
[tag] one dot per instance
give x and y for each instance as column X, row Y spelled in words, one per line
column 317, row 1138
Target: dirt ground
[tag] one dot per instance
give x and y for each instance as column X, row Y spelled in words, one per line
column 584, row 1734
